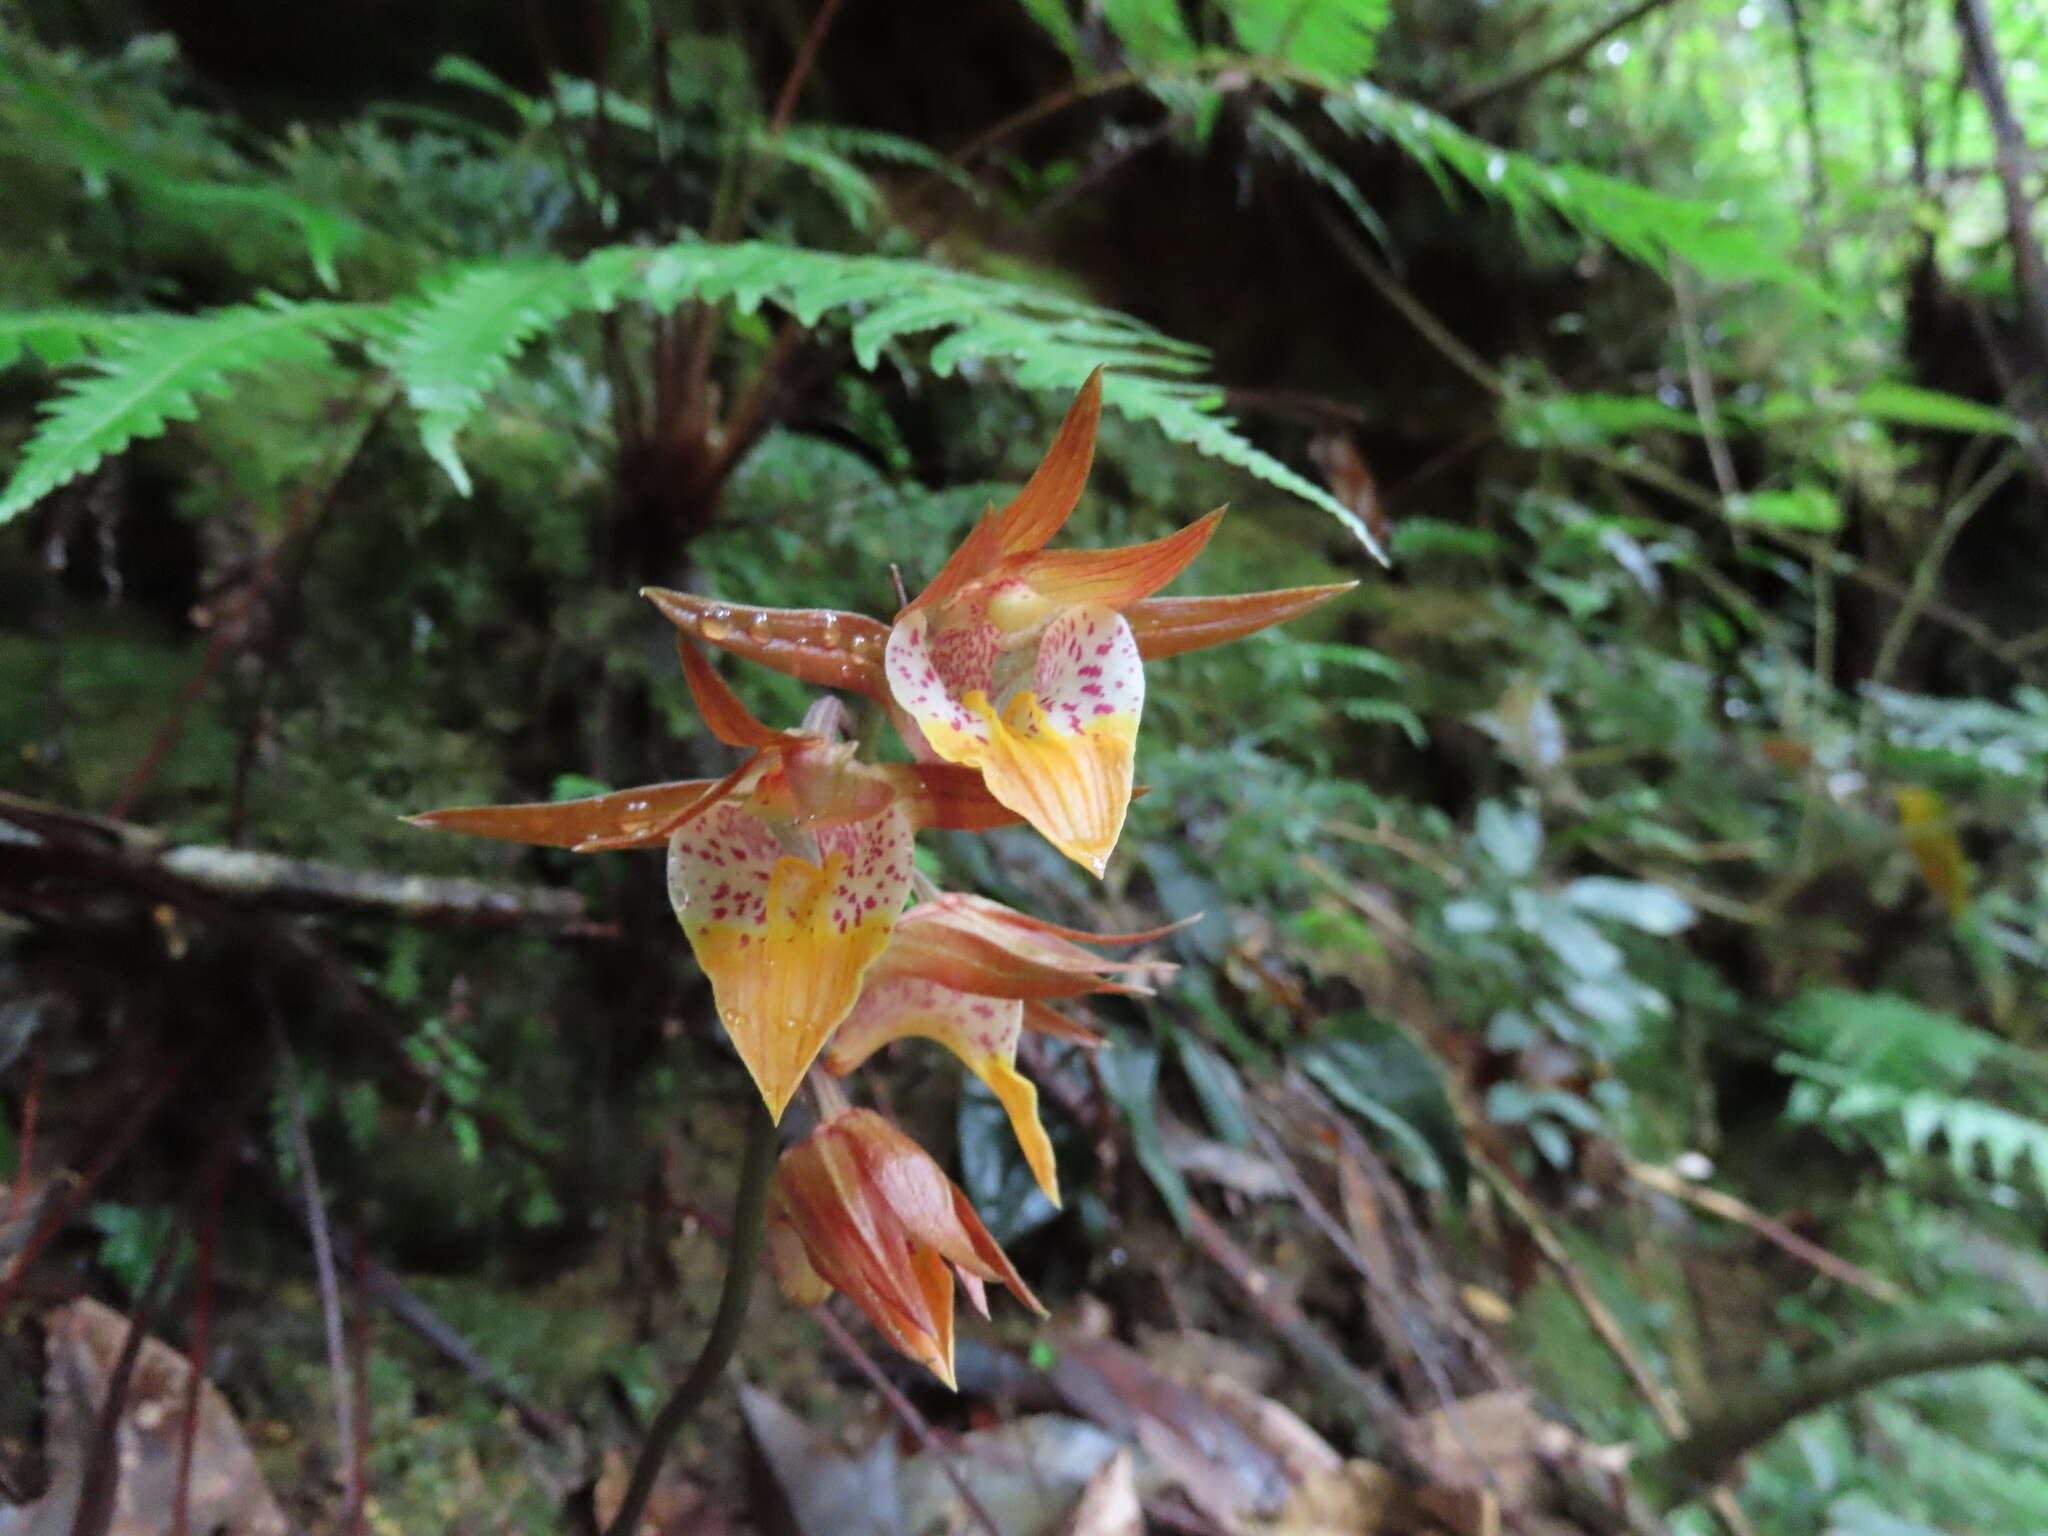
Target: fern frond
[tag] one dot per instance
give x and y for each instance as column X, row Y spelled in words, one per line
column 155, row 370
column 54, row 336
column 1979, row 1137
column 64, row 126
column 1335, row 38
column 458, row 344
column 1650, row 226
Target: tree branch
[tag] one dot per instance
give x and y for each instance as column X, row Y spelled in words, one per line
column 2030, row 268
column 1550, row 63
column 1716, row 1441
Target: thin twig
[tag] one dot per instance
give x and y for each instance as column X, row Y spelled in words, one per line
column 806, row 56
column 1726, row 1206
column 1722, row 1438
column 1367, row 1406
column 1704, row 402
column 2030, row 266
column 323, row 1251
column 1559, row 59
column 202, row 1332
column 742, row 1259
column 100, row 1482
column 227, row 631
column 1662, row 1402
column 1927, row 570
column 905, row 1413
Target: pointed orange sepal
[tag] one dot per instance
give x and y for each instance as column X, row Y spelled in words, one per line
column 726, row 717
column 1035, row 514
column 877, row 1220
column 975, row 945
column 1043, row 1019
column 626, row 818
column 1049, row 496
column 1115, row 578
column 824, row 647
column 1167, row 626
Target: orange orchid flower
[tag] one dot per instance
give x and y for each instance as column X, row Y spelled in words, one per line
column 860, row 1208
column 787, row 875
column 973, row 975
column 1018, row 661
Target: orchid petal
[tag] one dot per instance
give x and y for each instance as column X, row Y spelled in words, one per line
column 947, row 796
column 824, row 647
column 625, row 818
column 1114, row 578
column 928, row 684
column 1035, row 514
column 981, row 1031
column 786, row 941
column 1168, row 626
column 729, row 720
column 1049, row 496
column 1062, row 753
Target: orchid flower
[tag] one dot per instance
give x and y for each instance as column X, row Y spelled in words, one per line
column 973, row 975
column 860, row 1208
column 1020, row 662
column 787, row 875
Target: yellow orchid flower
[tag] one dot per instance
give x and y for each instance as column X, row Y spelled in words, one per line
column 1023, row 663
column 787, row 875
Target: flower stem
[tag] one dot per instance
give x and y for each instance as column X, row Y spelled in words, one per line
column 742, row 1259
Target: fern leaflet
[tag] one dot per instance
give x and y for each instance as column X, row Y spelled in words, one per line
column 153, row 371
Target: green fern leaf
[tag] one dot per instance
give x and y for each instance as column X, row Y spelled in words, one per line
column 63, row 125
column 155, row 371
column 1653, row 227
column 459, row 343
column 54, row 336
column 1334, row 38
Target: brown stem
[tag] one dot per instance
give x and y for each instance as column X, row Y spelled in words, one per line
column 1562, row 58
column 2030, row 267
column 1718, row 1440
column 742, row 1259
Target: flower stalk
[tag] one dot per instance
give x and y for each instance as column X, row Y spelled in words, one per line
column 742, row 1260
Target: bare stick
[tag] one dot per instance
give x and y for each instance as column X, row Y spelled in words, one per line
column 906, row 1414
column 1716, row 1203
column 1980, row 50
column 1561, row 58
column 323, row 1256
column 202, row 1329
column 1711, row 1450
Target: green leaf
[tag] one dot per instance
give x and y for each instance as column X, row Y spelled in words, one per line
column 1152, row 30
column 1653, row 227
column 460, row 342
column 1810, row 508
column 1651, row 908
column 1380, row 1075
column 1911, row 406
column 1130, row 1075
column 1335, row 38
column 1511, row 838
column 1059, row 26
column 156, row 370
column 1217, row 1086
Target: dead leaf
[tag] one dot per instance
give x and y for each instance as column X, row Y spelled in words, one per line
column 1354, row 1498
column 227, row 1492
column 1109, row 1505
